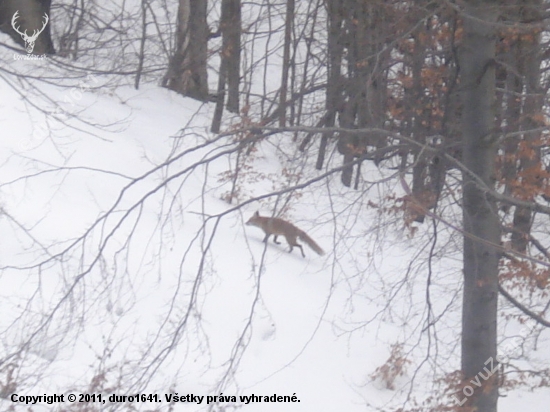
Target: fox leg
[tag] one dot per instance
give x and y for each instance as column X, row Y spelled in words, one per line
column 292, row 243
column 275, row 240
column 266, row 237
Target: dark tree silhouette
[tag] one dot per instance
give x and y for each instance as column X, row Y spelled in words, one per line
column 187, row 68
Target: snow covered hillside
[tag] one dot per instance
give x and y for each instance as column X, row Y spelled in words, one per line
column 125, row 270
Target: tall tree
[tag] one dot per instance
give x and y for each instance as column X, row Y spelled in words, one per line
column 357, row 69
column 187, row 72
column 231, row 50
column 480, row 219
column 289, row 24
column 523, row 171
column 230, row 61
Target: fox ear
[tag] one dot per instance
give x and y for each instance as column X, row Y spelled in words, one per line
column 257, row 214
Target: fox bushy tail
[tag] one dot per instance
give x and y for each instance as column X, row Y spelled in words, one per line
column 310, row 242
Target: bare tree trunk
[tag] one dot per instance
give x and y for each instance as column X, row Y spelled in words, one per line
column 187, row 68
column 481, row 224
column 529, row 62
column 412, row 99
column 334, row 97
column 142, row 43
column 360, row 28
column 231, row 50
column 230, row 61
column 289, row 22
column 220, row 99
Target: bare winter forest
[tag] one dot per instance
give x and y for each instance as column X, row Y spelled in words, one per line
column 403, row 144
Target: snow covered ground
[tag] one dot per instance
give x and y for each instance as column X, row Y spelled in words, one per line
column 119, row 278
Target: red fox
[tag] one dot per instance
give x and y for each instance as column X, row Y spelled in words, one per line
column 276, row 226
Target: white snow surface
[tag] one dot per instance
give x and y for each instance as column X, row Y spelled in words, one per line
column 314, row 327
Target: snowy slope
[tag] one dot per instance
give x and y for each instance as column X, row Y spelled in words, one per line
column 157, row 298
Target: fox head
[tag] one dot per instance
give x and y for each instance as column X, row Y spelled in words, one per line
column 254, row 219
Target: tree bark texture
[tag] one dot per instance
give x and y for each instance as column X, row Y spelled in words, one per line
column 289, row 23
column 481, row 224
column 231, row 50
column 187, row 68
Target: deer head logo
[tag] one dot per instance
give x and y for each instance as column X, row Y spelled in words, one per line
column 29, row 40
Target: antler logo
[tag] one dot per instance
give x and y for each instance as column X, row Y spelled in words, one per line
column 29, row 40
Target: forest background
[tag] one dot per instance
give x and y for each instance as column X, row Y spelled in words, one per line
column 409, row 137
